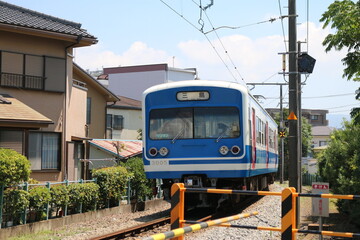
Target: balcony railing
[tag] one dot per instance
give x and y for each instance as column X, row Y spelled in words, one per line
column 22, row 81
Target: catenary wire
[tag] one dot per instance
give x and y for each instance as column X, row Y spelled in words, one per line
column 200, row 30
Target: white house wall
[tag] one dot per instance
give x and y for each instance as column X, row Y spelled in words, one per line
column 174, row 76
column 132, row 123
column 133, row 84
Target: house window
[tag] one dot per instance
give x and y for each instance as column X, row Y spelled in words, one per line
column 322, row 143
column 29, row 71
column 44, row 150
column 314, row 117
column 88, row 110
column 118, row 122
column 108, row 120
column 12, row 139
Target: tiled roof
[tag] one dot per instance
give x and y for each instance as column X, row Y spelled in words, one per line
column 18, row 16
column 12, row 110
column 127, row 148
column 126, row 102
column 322, row 130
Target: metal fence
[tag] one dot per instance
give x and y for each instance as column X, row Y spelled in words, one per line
column 308, row 179
column 47, row 211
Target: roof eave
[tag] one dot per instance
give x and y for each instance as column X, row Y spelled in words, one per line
column 85, row 41
column 24, row 123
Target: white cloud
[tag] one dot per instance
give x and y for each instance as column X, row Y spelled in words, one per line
column 96, row 57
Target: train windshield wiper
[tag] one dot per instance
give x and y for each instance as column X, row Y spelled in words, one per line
column 178, row 135
column 220, row 137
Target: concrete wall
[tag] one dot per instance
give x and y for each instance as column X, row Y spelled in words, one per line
column 53, row 224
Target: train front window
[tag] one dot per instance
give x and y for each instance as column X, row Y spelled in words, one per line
column 199, row 123
column 175, row 123
column 216, row 122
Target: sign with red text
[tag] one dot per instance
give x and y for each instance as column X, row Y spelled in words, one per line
column 320, row 206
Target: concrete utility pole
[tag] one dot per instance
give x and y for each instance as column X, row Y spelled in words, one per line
column 293, row 99
column 294, row 159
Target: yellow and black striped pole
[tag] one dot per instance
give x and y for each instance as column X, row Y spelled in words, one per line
column 176, row 233
column 177, row 208
column 288, row 212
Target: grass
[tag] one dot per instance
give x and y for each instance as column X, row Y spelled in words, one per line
column 51, row 235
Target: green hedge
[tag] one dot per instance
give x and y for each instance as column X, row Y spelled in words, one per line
column 39, row 197
column 15, row 203
column 83, row 197
column 14, row 167
column 59, row 197
column 112, row 182
column 140, row 185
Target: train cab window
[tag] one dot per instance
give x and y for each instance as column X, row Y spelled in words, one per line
column 216, row 122
column 171, row 123
column 199, row 123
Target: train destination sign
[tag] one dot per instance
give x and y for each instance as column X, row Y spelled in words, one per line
column 193, row 96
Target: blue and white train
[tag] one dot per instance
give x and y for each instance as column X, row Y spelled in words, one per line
column 208, row 134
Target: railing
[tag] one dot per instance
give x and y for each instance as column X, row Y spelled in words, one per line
column 21, row 81
column 25, row 186
column 125, row 199
column 288, row 212
column 308, row 179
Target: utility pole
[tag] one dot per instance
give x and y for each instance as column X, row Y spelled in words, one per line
column 299, row 114
column 294, row 180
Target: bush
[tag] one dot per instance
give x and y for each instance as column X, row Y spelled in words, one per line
column 15, row 203
column 139, row 183
column 38, row 198
column 112, row 182
column 59, row 197
column 14, row 167
column 86, row 194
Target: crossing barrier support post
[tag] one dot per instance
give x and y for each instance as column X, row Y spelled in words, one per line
column 177, row 208
column 288, row 214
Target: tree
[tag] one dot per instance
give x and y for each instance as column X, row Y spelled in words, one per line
column 339, row 165
column 344, row 16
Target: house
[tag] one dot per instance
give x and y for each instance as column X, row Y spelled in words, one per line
column 48, row 105
column 131, row 81
column 315, row 117
column 321, row 136
column 89, row 100
column 124, row 119
column 106, row 152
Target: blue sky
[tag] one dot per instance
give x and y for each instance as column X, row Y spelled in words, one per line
column 146, row 32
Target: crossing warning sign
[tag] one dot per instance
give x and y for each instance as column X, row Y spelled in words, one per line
column 320, row 206
column 282, row 134
column 292, row 116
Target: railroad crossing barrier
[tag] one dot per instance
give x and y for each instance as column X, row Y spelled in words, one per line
column 288, row 213
column 179, row 232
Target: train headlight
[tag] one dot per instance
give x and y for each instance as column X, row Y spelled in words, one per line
column 153, row 151
column 235, row 150
column 163, row 151
column 224, row 150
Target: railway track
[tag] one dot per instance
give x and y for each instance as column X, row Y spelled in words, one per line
column 149, row 227
column 132, row 231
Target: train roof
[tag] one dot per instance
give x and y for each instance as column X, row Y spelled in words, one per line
column 189, row 83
